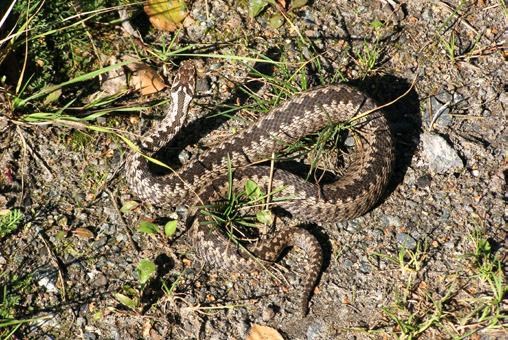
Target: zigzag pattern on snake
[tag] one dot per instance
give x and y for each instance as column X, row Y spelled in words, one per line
column 204, row 178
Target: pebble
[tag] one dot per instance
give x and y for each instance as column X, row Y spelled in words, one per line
column 89, row 336
column 80, row 321
column 268, row 313
column 348, row 263
column 315, row 330
column 101, row 242
column 427, row 14
column 184, row 156
column 202, row 85
column 503, row 98
column 377, row 234
column 243, row 327
column 353, row 226
column 424, row 181
column 391, row 221
column 406, row 240
column 48, row 285
column 440, row 156
column 365, row 267
column 350, row 141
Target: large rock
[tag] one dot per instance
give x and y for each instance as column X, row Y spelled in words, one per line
column 440, row 156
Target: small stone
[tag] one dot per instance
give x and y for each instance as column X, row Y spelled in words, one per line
column 391, row 221
column 350, row 141
column 242, row 328
column 80, row 322
column 440, row 156
column 3, row 123
column 202, row 85
column 377, row 234
column 503, row 98
column 457, row 98
column 365, row 267
column 348, row 263
column 424, row 181
column 3, row 260
column 184, row 156
column 48, row 285
column 89, row 336
column 315, row 331
column 100, row 280
column 427, row 14
column 445, row 216
column 353, row 226
column 406, row 240
column 268, row 313
column 101, row 242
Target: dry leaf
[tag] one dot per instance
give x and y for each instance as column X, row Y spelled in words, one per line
column 258, row 332
column 83, row 233
column 166, row 15
column 282, row 3
column 112, row 83
column 146, row 80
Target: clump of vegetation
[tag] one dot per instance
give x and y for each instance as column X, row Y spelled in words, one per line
column 11, row 288
column 420, row 308
column 10, row 221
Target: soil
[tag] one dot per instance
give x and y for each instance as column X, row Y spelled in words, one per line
column 79, row 249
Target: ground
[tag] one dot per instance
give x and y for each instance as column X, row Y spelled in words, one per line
column 429, row 260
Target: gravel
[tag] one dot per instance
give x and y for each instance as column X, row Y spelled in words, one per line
column 449, row 180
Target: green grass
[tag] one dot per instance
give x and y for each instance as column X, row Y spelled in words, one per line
column 367, row 58
column 242, row 208
column 11, row 289
column 422, row 309
column 450, row 46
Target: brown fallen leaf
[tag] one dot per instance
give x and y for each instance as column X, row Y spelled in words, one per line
column 166, row 15
column 146, row 80
column 258, row 332
column 83, row 233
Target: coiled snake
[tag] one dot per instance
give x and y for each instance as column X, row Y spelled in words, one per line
column 199, row 180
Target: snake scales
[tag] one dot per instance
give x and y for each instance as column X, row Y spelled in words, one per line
column 200, row 180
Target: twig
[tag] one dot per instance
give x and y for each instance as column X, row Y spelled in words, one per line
column 24, row 162
column 36, row 155
column 439, row 112
column 270, row 180
column 55, row 260
column 129, row 231
column 377, row 108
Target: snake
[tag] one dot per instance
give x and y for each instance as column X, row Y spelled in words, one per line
column 205, row 177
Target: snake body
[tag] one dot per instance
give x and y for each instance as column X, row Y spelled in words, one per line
column 202, row 179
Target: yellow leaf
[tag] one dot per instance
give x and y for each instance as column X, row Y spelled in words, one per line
column 166, row 15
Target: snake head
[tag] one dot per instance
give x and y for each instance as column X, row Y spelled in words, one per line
column 185, row 78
